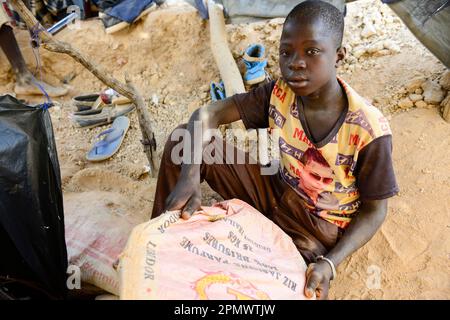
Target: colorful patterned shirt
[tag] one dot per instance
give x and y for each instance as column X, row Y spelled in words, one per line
column 325, row 174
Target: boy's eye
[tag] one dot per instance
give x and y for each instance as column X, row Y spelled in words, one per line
column 283, row 53
column 313, row 51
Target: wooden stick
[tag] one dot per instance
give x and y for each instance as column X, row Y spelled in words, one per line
column 229, row 71
column 126, row 89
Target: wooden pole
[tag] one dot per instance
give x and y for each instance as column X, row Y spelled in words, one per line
column 229, row 71
column 126, row 89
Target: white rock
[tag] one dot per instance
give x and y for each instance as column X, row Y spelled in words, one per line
column 381, row 53
column 415, row 97
column 276, row 22
column 414, row 84
column 405, row 103
column 445, row 80
column 352, row 60
column 369, row 30
column 115, row 46
column 389, row 19
column 377, row 18
column 377, row 46
column 358, row 52
column 420, row 104
column 391, row 46
column 432, row 92
column 381, row 31
column 155, row 99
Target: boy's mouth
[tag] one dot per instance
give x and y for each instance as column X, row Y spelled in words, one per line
column 297, row 83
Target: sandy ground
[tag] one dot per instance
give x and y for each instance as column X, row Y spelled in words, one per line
column 167, row 56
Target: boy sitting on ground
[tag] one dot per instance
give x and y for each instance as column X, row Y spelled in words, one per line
column 330, row 193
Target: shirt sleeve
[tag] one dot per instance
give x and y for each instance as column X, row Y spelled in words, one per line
column 253, row 106
column 375, row 177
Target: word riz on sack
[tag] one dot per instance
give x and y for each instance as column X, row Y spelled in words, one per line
column 189, row 246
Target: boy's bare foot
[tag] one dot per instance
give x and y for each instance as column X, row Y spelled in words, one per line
column 26, row 87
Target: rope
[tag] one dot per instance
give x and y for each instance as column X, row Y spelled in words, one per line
column 35, row 44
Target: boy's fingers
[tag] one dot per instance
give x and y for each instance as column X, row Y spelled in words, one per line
column 187, row 213
column 172, row 204
column 175, row 201
column 322, row 293
column 312, row 282
column 192, row 205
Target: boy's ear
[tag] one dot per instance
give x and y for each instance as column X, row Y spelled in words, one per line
column 341, row 52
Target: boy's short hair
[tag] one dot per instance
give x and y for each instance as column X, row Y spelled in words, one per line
column 312, row 10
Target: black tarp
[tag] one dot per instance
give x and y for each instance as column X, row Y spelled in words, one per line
column 32, row 239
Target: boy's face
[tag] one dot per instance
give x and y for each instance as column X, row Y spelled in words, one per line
column 308, row 57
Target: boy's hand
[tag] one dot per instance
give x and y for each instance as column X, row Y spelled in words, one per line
column 318, row 276
column 186, row 196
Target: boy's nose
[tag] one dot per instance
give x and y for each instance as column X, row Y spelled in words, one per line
column 297, row 63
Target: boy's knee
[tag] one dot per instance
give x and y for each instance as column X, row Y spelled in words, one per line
column 4, row 29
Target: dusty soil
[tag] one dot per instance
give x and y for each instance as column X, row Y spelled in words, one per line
column 167, row 56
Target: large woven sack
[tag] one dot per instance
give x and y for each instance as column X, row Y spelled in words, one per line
column 229, row 251
column 97, row 229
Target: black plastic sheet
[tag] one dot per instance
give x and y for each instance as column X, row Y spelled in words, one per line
column 33, row 246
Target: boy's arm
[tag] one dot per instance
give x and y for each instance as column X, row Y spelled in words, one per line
column 361, row 229
column 375, row 180
column 186, row 195
column 252, row 107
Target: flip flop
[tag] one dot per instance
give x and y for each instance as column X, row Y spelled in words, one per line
column 106, row 116
column 105, row 148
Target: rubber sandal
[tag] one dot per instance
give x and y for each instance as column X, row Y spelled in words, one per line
column 113, row 137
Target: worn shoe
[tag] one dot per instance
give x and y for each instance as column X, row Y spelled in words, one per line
column 217, row 91
column 255, row 63
column 113, row 24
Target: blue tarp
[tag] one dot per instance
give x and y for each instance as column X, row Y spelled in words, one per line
column 125, row 10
